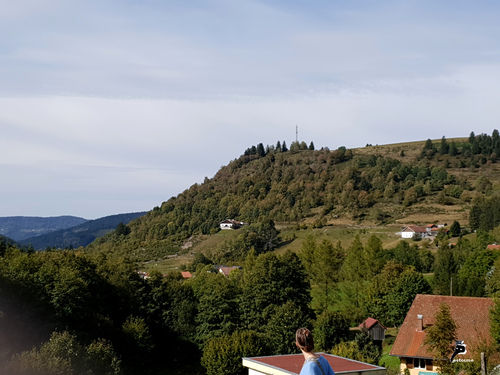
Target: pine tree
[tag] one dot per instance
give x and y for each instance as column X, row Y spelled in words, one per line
column 472, row 138
column 283, row 147
column 444, row 147
column 354, row 267
column 455, row 229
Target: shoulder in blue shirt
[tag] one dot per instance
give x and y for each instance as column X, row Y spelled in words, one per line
column 311, row 368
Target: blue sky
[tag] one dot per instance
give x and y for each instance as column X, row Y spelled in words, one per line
column 115, row 106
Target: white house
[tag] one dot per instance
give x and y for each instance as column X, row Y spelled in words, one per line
column 230, row 224
column 413, row 231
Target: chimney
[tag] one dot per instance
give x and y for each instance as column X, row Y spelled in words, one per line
column 420, row 322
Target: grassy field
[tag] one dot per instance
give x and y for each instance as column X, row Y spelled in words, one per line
column 291, row 241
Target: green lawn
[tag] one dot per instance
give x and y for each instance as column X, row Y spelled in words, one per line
column 387, row 361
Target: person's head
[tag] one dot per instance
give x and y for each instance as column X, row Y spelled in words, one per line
column 304, row 340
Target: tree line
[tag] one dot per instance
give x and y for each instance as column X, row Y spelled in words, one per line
column 92, row 313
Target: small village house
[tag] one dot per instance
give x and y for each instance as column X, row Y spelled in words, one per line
column 230, row 224
column 413, row 231
column 471, row 314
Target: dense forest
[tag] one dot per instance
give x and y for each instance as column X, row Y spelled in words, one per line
column 89, row 310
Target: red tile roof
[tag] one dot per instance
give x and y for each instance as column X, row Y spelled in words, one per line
column 493, row 247
column 471, row 314
column 369, row 323
column 186, row 275
column 292, row 363
column 227, row 270
column 414, row 228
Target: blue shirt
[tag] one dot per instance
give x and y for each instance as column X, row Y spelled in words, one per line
column 311, row 368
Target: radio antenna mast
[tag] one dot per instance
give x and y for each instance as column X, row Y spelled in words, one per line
column 297, row 133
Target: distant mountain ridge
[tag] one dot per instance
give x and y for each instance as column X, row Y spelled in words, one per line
column 22, row 227
column 81, row 234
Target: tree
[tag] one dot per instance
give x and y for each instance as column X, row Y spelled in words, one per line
column 472, row 138
column 326, row 272
column 472, row 276
column 267, row 235
column 455, row 229
column 278, row 146
column 307, row 251
column 495, row 321
column 444, row 147
column 374, row 255
column 283, row 323
column 283, row 147
column 222, row 355
column 441, row 337
column 311, row 146
column 355, row 266
column 217, row 308
column 445, row 272
column 453, row 151
column 399, row 300
column 330, row 328
column 122, row 230
column 260, row 150
column 272, row 281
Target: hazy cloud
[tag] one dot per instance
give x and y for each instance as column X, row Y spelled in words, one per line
column 109, row 107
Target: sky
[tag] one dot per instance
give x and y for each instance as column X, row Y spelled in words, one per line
column 110, row 106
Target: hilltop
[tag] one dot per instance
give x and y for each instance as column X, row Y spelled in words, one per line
column 373, row 186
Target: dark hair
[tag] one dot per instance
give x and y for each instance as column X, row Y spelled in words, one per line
column 304, row 340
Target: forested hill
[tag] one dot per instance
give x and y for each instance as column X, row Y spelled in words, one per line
column 80, row 235
column 22, row 227
column 300, row 185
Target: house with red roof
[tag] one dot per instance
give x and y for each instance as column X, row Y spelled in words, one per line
column 227, row 270
column 493, row 247
column 374, row 328
column 291, row 364
column 432, row 229
column 471, row 314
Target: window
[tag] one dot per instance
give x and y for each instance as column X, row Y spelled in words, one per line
column 419, row 362
column 415, row 363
